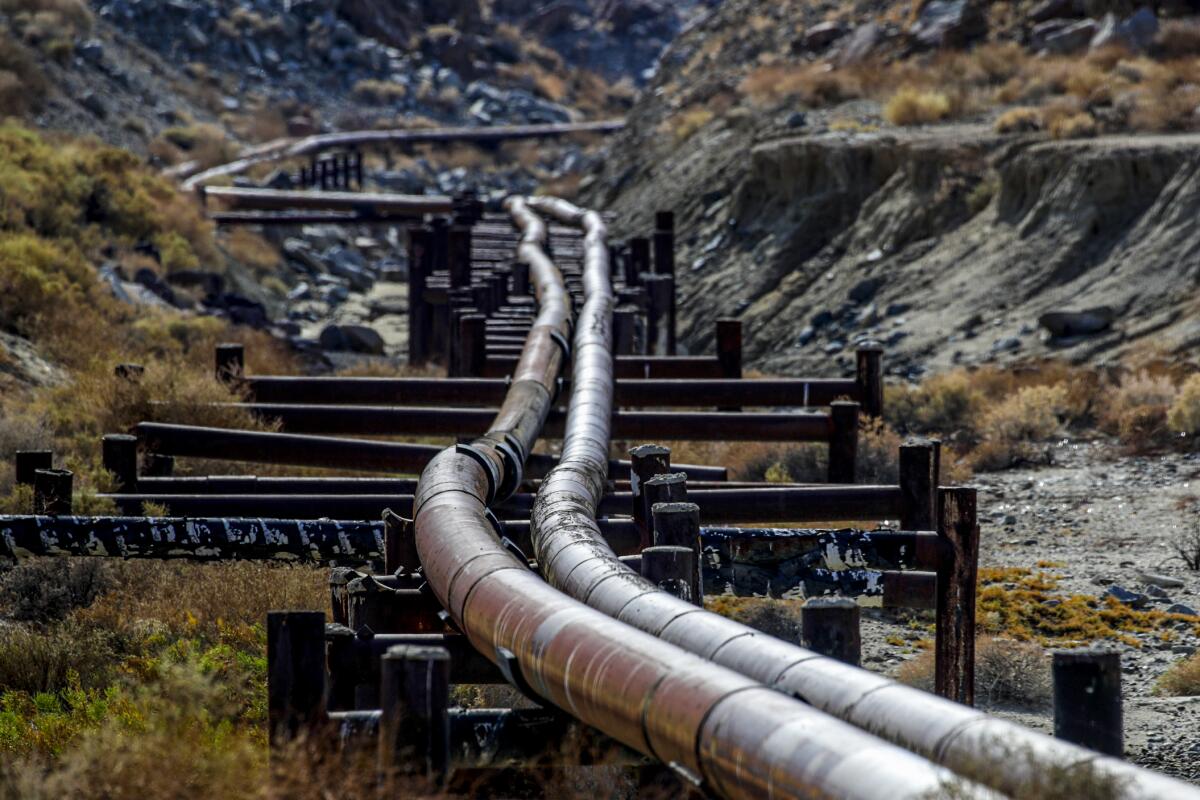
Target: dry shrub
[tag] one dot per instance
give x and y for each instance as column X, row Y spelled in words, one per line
column 1007, row 672
column 878, row 458
column 217, row 596
column 380, row 92
column 687, row 123
column 1137, row 412
column 1019, row 120
column 1032, row 414
column 812, row 84
column 1186, row 544
column 251, row 249
column 912, row 106
column 47, row 661
column 941, row 404
column 47, row 590
column 1178, row 38
column 1074, row 126
column 1182, row 679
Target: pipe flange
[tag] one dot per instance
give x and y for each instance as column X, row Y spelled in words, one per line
column 489, row 468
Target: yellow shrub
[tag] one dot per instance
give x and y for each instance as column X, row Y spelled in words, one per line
column 1018, row 120
column 1182, row 679
column 1184, row 414
column 911, row 106
column 1074, row 126
column 942, row 404
column 1031, row 414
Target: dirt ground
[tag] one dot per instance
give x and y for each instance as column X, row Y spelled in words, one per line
column 1103, row 519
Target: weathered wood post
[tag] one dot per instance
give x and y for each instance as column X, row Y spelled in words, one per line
column 919, row 464
column 399, row 545
column 664, row 243
column 660, row 314
column 624, row 330
column 870, row 379
column 665, row 487
column 414, row 722
column 119, row 455
column 27, row 462
column 52, row 490
column 339, row 593
column 830, row 626
column 628, row 267
column 458, row 255
column 954, row 646
column 470, row 346
column 678, row 525
column 645, row 461
column 671, row 569
column 419, row 312
column 358, row 169
column 230, row 362
column 639, row 259
column 729, row 347
column 1087, row 699
column 843, row 442
column 520, row 279
column 295, row 672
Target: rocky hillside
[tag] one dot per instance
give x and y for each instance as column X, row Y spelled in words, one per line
column 842, row 176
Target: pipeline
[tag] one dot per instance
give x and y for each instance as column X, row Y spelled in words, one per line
column 574, row 557
column 719, row 728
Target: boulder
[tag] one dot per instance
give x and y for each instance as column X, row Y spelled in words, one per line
column 1126, row 597
column 1136, row 32
column 820, row 36
column 865, row 289
column 949, row 23
column 352, row 338
column 1063, row 324
column 1062, row 37
column 859, row 46
column 1050, row 9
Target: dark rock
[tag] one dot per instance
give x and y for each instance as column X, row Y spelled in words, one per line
column 92, row 102
column 353, row 338
column 1136, row 32
column 1126, row 597
column 797, row 119
column 896, row 309
column 1062, row 324
column 1063, row 36
column 1180, row 608
column 949, row 23
column 865, row 289
column 1010, row 343
column 858, row 46
column 806, row 335
column 1161, row 581
column 821, row 319
column 820, row 36
column 242, row 310
column 208, row 282
column 1049, row 9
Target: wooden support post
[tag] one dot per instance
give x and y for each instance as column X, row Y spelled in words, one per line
column 439, row 231
column 639, row 260
column 1087, row 700
column 843, row 442
column 470, row 347
column 624, row 330
column 919, row 484
column 387, row 610
column 729, row 347
column 399, row 545
column 660, row 314
column 341, row 667
column 670, row 569
column 119, row 455
column 358, row 169
column 628, row 268
column 870, row 379
column 678, row 525
column 414, row 723
column 665, row 487
column 419, row 312
column 155, row 465
column 645, row 461
column 295, row 672
column 339, row 593
column 664, row 243
column 520, row 279
column 27, row 462
column 830, row 626
column 458, row 255
column 230, row 362
column 954, row 648
column 52, row 489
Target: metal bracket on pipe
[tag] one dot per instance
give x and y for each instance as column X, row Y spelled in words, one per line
column 561, row 341
column 514, row 468
column 489, row 468
column 510, row 668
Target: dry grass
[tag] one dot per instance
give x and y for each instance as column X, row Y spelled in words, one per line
column 1007, row 672
column 1182, row 679
column 912, row 106
column 1019, row 120
column 1183, row 416
column 687, row 123
column 252, row 250
column 380, row 92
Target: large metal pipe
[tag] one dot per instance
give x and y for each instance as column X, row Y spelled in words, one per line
column 373, row 204
column 737, row 738
column 573, row 555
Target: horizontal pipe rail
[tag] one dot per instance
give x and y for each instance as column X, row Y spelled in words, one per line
column 358, row 455
column 377, row 204
column 417, row 420
column 644, row 367
column 250, row 484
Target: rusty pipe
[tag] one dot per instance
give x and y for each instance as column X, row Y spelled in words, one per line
column 574, row 556
column 738, row 738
